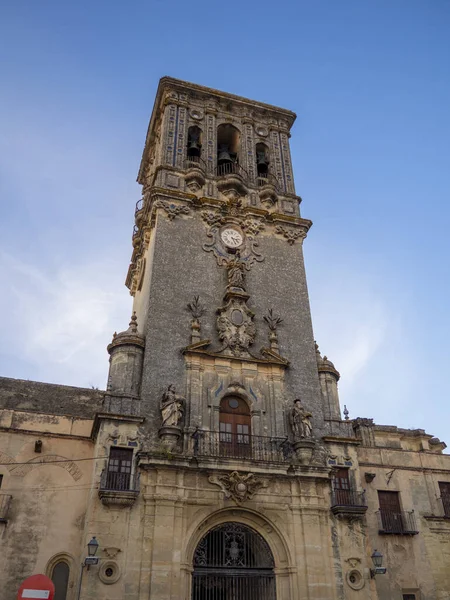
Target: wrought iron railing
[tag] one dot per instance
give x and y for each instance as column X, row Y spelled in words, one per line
column 231, row 168
column 267, row 179
column 195, row 162
column 119, row 482
column 348, row 498
column 445, row 500
column 139, row 206
column 241, row 446
column 5, row 500
column 397, row 522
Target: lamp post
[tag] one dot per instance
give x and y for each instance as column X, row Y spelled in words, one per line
column 377, row 559
column 90, row 559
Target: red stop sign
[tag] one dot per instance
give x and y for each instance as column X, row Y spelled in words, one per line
column 37, row 587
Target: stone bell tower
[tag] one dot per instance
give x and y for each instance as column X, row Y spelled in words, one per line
column 217, row 270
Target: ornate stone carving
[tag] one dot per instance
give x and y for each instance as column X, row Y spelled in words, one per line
column 291, row 235
column 252, row 226
column 248, row 251
column 196, row 309
column 273, row 322
column 237, row 486
column 235, row 325
column 300, row 420
column 319, row 456
column 172, row 210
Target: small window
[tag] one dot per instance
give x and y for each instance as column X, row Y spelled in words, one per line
column 444, row 488
column 60, row 578
column 409, row 597
column 119, row 469
column 1, row 479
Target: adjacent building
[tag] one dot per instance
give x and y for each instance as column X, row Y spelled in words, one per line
column 216, row 464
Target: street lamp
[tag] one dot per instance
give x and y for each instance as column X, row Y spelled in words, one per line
column 91, row 559
column 377, row 559
column 93, row 547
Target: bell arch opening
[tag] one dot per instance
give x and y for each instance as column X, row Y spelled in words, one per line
column 233, row 561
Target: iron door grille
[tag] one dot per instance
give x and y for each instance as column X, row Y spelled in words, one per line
column 233, row 562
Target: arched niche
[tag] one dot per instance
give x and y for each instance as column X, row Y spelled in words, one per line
column 262, row 159
column 228, row 146
column 194, row 143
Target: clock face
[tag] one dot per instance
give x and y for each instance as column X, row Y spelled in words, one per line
column 231, row 238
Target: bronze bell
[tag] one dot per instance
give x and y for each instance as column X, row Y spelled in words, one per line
column 261, row 159
column 224, row 156
column 194, row 147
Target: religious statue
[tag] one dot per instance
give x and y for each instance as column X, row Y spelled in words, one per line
column 300, row 420
column 236, row 272
column 172, row 408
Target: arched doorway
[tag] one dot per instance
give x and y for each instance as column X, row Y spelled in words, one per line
column 234, row 427
column 233, row 562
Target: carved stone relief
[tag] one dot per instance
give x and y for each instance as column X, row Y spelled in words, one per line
column 237, row 486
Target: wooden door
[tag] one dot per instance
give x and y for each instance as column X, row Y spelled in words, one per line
column 234, row 428
column 391, row 514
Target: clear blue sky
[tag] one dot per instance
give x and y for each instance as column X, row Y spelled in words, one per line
column 370, row 82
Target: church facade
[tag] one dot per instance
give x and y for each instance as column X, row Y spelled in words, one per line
column 216, row 464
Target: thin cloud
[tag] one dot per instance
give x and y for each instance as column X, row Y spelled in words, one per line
column 62, row 322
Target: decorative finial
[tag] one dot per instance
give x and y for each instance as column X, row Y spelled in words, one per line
column 272, row 321
column 196, row 307
column 197, row 310
column 133, row 323
column 346, row 412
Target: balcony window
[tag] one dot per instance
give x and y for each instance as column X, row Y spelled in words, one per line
column 234, row 427
column 345, row 499
column 444, row 488
column 391, row 518
column 118, row 475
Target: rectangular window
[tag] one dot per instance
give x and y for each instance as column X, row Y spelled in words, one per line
column 391, row 515
column 119, row 469
column 1, row 479
column 409, row 597
column 444, row 488
column 341, row 487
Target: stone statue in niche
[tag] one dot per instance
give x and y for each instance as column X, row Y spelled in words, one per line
column 172, row 408
column 300, row 420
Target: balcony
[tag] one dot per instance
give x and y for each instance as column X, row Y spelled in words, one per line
column 195, row 172
column 231, row 178
column 118, row 489
column 268, row 188
column 349, row 503
column 138, row 213
column 243, row 447
column 401, row 522
column 5, row 500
